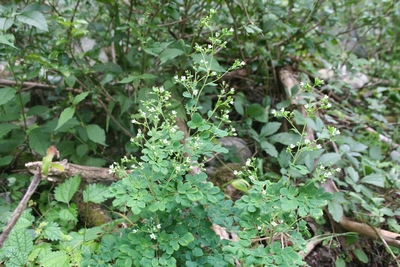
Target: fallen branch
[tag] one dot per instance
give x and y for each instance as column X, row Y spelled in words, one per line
column 20, row 208
column 87, row 173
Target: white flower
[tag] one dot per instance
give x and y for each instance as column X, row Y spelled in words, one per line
column 326, row 97
column 264, row 192
column 195, row 92
column 231, row 29
column 338, row 169
column 273, row 111
column 183, row 78
column 174, row 112
column 292, row 146
column 153, row 236
column 248, row 162
column 235, row 172
column 319, row 146
column 158, row 226
column 133, row 121
column 259, row 227
column 209, row 46
column 306, row 141
column 282, row 110
column 176, row 77
column 134, row 231
column 242, row 63
column 251, row 177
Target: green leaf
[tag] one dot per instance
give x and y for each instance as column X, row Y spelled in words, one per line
column 65, row 191
column 353, row 174
column 340, row 263
column 374, row 179
column 6, row 128
column 79, row 98
column 39, row 140
column 269, row 149
column 52, row 231
column 255, row 110
column 6, row 94
column 5, row 161
column 241, row 184
column 270, row 128
column 7, row 39
column 17, row 247
column 250, row 29
column 169, row 54
column 336, row 210
column 285, row 138
column 186, row 239
column 132, row 78
column 361, row 255
column 70, row 80
column 34, row 18
column 56, row 258
column 328, row 159
column 196, row 121
column 5, row 24
column 70, row 213
column 57, row 166
column 95, row 193
column 96, row 134
column 65, row 116
column 212, row 62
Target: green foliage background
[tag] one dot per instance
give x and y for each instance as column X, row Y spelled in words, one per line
column 54, row 90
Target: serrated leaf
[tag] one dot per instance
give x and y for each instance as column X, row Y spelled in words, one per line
column 56, row 258
column 65, row 116
column 374, row 179
column 52, row 231
column 6, row 128
column 95, row 193
column 17, row 247
column 96, row 134
column 328, row 159
column 70, row 213
column 34, row 18
column 65, row 191
column 79, row 98
column 336, row 210
column 6, row 94
column 169, row 54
